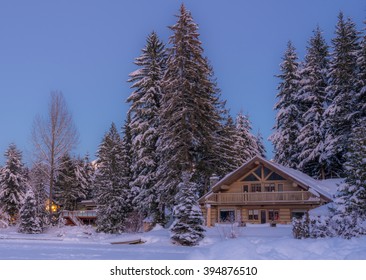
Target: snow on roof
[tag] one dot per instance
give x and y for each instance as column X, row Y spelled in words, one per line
column 326, row 188
column 322, row 210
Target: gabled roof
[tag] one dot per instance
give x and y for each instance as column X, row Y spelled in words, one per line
column 320, row 188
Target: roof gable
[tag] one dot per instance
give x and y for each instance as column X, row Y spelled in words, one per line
column 304, row 181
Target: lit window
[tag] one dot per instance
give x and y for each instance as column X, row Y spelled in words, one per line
column 253, row 214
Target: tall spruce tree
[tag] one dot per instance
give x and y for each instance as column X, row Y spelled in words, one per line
column 361, row 80
column 260, row 144
column 312, row 100
column 349, row 215
column 85, row 175
column 227, row 156
column 144, row 111
column 111, row 184
column 288, row 118
column 69, row 186
column 189, row 116
column 13, row 184
column 245, row 142
column 341, row 92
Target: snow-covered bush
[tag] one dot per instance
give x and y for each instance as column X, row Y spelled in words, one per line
column 134, row 222
column 29, row 221
column 229, row 230
column 319, row 226
column 300, row 227
column 346, row 226
column 4, row 219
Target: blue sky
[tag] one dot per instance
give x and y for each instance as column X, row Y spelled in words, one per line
column 86, row 49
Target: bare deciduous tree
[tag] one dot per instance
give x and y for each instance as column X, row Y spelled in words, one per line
column 53, row 136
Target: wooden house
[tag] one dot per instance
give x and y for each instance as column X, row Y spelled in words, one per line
column 261, row 191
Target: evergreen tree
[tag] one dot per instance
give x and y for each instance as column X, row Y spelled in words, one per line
column 245, row 142
column 339, row 116
column 187, row 230
column 69, row 187
column 261, row 148
column 29, row 220
column 361, row 81
column 189, row 116
column 288, row 116
column 312, row 99
column 227, row 157
column 144, row 123
column 13, row 184
column 38, row 181
column 86, row 175
column 356, row 171
column 111, row 184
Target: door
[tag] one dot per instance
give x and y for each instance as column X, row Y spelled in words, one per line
column 263, row 216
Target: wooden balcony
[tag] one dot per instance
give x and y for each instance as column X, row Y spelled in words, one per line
column 78, row 217
column 79, row 214
column 253, row 198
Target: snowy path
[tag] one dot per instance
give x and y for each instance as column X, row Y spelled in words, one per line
column 254, row 242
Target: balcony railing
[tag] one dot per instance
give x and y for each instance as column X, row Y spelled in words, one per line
column 263, row 197
column 79, row 213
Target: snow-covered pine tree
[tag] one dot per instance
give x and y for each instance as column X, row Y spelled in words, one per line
column 29, row 220
column 288, row 118
column 68, row 187
column 13, row 184
column 245, row 142
column 144, row 112
column 189, row 117
column 361, row 80
column 341, row 93
column 38, row 182
column 227, row 158
column 312, row 100
column 260, row 144
column 187, row 229
column 87, row 176
column 111, row 184
column 350, row 211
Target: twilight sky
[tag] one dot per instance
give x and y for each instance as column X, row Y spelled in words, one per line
column 86, row 49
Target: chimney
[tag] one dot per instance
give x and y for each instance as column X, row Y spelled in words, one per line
column 214, row 179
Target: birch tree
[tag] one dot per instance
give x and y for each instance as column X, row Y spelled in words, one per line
column 53, row 136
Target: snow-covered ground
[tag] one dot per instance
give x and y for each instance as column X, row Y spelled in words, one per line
column 256, row 242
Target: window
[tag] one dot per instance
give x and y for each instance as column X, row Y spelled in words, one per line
column 273, row 215
column 245, row 188
column 297, row 213
column 269, row 187
column 227, row 216
column 258, row 172
column 266, row 171
column 275, row 177
column 253, row 214
column 256, row 187
column 250, row 177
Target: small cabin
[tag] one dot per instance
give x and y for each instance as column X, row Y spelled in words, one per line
column 261, row 191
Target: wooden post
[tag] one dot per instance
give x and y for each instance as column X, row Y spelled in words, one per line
column 208, row 215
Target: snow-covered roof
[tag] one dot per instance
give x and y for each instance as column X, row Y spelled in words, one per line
column 324, row 188
column 322, row 210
